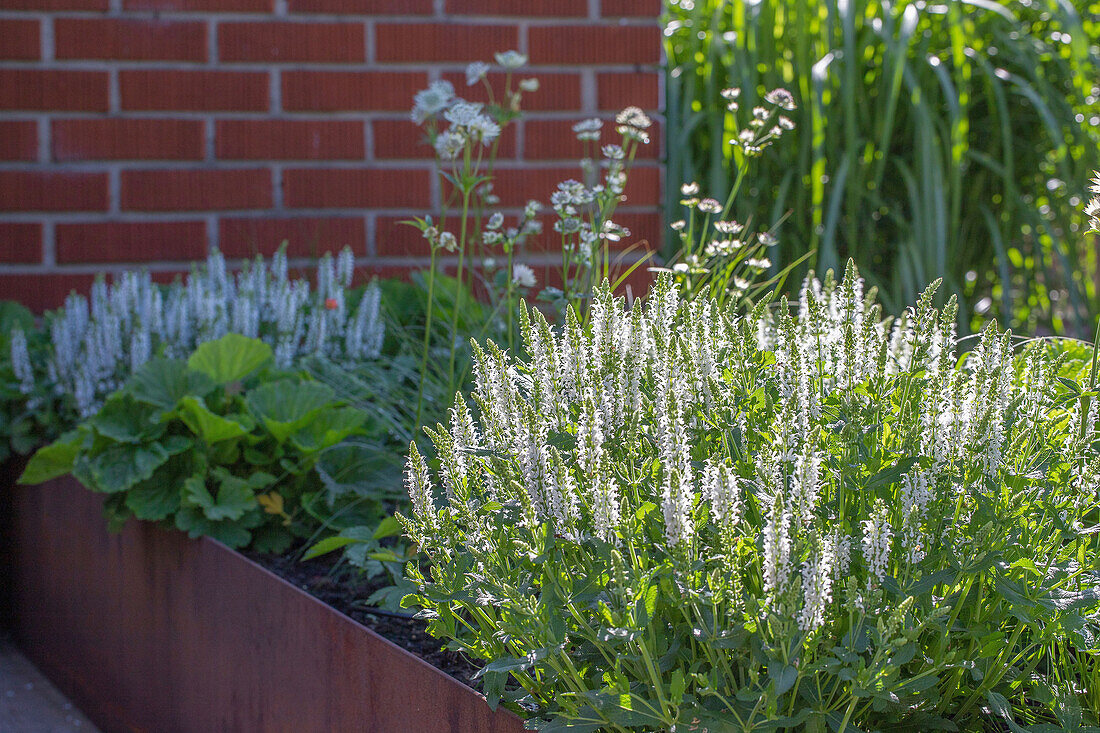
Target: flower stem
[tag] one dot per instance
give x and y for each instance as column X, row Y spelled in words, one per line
column 427, row 341
column 466, row 191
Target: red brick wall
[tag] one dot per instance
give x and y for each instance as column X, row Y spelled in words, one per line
column 147, row 131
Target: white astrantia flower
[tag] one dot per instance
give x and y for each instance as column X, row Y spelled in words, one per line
column 510, row 59
column 709, row 206
column 529, row 85
column 448, row 241
column 463, row 113
column 588, row 129
column 634, row 117
column 780, row 98
column 483, row 129
column 450, row 144
column 475, row 72
column 523, row 275
column 613, row 152
column 433, row 100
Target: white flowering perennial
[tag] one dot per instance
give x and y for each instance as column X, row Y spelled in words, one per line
column 97, row 342
column 786, row 483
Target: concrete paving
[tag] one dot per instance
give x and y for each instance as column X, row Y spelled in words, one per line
column 29, row 703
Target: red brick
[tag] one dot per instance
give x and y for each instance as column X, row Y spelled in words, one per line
column 129, row 40
column 368, row 7
column 331, row 91
column 404, row 140
column 426, row 42
column 555, row 140
column 282, row 42
column 119, row 241
column 356, row 187
column 400, row 140
column 305, row 236
column 127, row 139
column 588, row 44
column 196, row 190
column 616, row 91
column 556, row 92
column 21, row 40
column 214, row 6
column 644, row 228
column 194, row 90
column 39, row 191
column 20, row 242
column 631, row 8
column 528, row 8
column 41, row 292
column 18, row 140
column 46, row 6
column 366, row 273
column 53, row 90
column 289, row 139
column 516, row 186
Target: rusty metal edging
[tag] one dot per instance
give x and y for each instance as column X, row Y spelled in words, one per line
column 147, row 630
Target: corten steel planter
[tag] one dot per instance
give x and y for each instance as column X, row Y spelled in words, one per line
column 148, row 630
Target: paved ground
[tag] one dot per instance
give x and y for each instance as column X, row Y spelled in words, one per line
column 29, row 703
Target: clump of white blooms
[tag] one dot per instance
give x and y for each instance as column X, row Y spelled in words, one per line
column 741, row 430
column 584, row 208
column 808, row 486
column 471, row 125
column 97, row 342
column 523, row 275
column 719, row 255
column 766, row 123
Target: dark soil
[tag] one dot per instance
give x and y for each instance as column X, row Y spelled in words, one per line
column 347, row 593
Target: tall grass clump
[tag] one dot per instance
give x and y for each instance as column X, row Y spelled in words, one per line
column 682, row 517
column 931, row 139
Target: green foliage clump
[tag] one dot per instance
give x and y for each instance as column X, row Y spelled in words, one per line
column 223, row 445
column 682, row 517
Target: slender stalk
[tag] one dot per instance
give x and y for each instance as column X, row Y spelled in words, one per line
column 427, row 342
column 466, row 192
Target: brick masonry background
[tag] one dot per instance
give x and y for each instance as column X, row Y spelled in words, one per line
column 144, row 132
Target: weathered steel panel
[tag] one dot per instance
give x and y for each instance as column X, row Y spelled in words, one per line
column 147, row 630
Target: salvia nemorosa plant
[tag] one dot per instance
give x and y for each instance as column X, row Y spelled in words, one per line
column 682, row 517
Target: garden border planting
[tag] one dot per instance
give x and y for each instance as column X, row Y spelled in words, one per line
column 150, row 630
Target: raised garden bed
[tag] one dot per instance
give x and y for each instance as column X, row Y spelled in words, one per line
column 148, row 630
